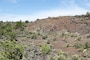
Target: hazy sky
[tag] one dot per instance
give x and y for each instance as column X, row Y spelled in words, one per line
column 13, row 10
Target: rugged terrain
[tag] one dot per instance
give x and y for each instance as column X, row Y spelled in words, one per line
column 55, row 38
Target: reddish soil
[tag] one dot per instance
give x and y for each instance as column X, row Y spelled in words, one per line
column 56, row 24
column 71, row 24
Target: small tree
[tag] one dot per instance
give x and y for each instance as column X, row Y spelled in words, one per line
column 26, row 21
column 87, row 14
column 19, row 25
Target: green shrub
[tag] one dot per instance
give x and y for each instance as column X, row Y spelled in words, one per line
column 48, row 41
column 87, row 44
column 76, row 57
column 62, row 56
column 54, row 39
column 45, row 48
column 69, row 45
column 34, row 37
column 44, row 37
column 80, row 49
column 11, row 50
column 78, row 38
column 78, row 45
column 11, row 35
column 51, row 58
column 88, row 36
column 19, row 25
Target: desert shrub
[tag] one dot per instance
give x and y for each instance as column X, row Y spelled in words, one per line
column 44, row 36
column 80, row 49
column 78, row 38
column 11, row 35
column 31, row 32
column 78, row 45
column 62, row 56
column 8, row 27
column 34, row 36
column 54, row 39
column 1, row 32
column 68, row 45
column 65, row 35
column 88, row 36
column 76, row 57
column 48, row 41
column 6, row 30
column 11, row 50
column 73, row 34
column 19, row 25
column 45, row 48
column 51, row 58
column 88, row 52
column 87, row 44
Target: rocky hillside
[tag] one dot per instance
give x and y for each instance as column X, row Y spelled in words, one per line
column 80, row 24
column 52, row 38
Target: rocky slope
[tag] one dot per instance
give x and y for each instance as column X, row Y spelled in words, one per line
column 80, row 24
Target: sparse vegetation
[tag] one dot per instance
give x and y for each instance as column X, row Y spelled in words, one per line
column 20, row 40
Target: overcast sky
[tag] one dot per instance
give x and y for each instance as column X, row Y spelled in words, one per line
column 14, row 10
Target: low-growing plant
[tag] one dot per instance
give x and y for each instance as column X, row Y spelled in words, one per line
column 78, row 38
column 45, row 48
column 62, row 56
column 11, row 35
column 51, row 58
column 19, row 25
column 54, row 39
column 34, row 36
column 48, row 41
column 88, row 36
column 68, row 45
column 44, row 37
column 78, row 45
column 80, row 49
column 87, row 44
column 76, row 57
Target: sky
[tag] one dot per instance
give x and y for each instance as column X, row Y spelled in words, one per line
column 15, row 10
